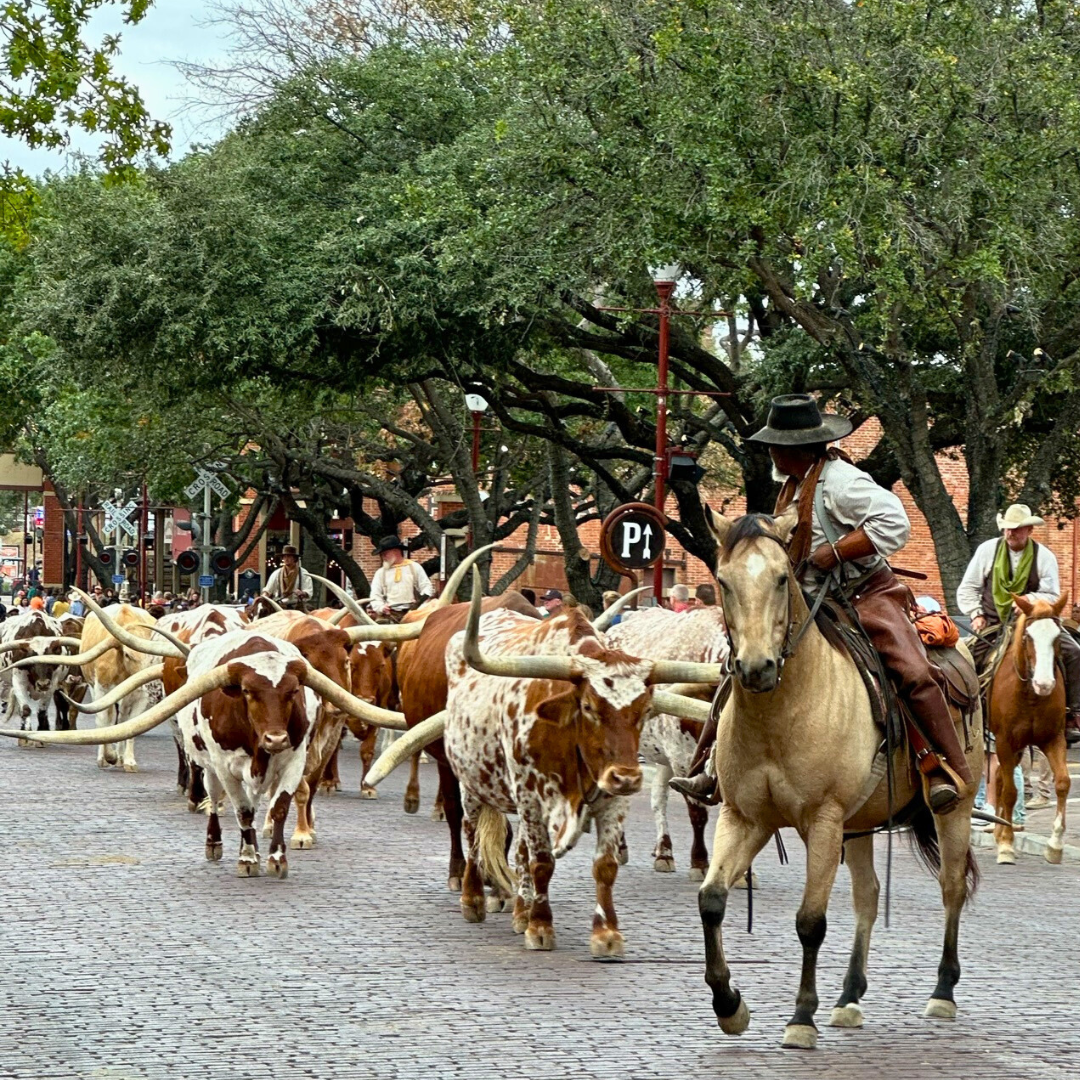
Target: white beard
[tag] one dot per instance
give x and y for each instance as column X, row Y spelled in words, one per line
column 778, row 476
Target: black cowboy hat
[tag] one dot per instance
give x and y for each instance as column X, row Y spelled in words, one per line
column 387, row 543
column 795, row 420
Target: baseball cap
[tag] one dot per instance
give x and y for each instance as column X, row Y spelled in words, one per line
column 552, row 594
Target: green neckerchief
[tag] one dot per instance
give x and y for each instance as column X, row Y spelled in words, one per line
column 1002, row 585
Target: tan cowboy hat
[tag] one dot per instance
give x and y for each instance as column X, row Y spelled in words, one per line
column 1017, row 517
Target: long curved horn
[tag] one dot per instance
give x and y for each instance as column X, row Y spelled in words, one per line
column 679, row 705
column 357, row 612
column 8, row 646
column 351, row 704
column 446, row 597
column 125, row 637
column 191, row 691
column 386, row 632
column 271, row 601
column 183, row 646
column 69, row 642
column 511, row 667
column 77, row 660
column 412, row 742
column 603, row 620
column 140, row 678
column 674, row 671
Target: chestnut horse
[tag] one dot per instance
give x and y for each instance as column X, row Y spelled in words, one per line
column 1026, row 707
column 799, row 752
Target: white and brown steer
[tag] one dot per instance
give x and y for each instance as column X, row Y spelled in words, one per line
column 545, row 722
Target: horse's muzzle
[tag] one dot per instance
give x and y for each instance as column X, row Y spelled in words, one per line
column 758, row 676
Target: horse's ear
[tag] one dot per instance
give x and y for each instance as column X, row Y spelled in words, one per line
column 719, row 526
column 787, row 523
column 1023, row 603
column 1059, row 606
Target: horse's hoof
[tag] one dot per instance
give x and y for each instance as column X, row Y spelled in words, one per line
column 496, row 904
column 607, row 944
column 453, row 883
column 540, row 937
column 665, row 864
column 737, row 1022
column 193, row 807
column 1006, row 857
column 411, row 804
column 696, row 873
column 741, row 883
column 438, row 814
column 1052, row 855
column 940, row 1009
column 367, row 792
column 130, row 766
column 800, row 1037
column 301, row 841
column 847, row 1016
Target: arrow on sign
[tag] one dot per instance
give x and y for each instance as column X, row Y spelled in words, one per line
column 647, row 533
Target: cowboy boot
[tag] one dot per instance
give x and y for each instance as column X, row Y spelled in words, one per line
column 1072, row 729
column 698, row 783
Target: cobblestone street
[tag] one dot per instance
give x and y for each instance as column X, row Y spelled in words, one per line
column 124, row 955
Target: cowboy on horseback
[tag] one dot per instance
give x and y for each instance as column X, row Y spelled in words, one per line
column 864, row 524
column 290, row 584
column 1016, row 564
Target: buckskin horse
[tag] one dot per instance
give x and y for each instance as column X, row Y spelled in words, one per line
column 799, row 751
column 1026, row 707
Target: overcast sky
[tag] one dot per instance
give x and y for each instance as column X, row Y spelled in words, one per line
column 169, row 31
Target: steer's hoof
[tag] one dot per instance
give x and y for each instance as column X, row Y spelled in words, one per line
column 520, row 924
column 411, row 804
column 102, row 763
column 473, row 908
column 1006, row 857
column 368, row 792
column 622, row 856
column 213, row 852
column 847, row 1016
column 540, row 936
column 248, row 868
column 1052, row 855
column 737, row 1022
column 130, row 766
column 193, row 807
column 800, row 1037
column 268, row 829
column 607, row 944
column 328, row 787
column 438, row 813
column 664, row 864
column 453, row 883
column 495, row 903
column 302, row 841
column 696, row 873
column 940, row 1009
column 277, row 866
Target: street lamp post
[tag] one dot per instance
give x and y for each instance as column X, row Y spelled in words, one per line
column 664, row 278
column 477, row 404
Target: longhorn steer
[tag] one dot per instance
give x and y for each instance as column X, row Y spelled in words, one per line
column 668, row 742
column 31, row 688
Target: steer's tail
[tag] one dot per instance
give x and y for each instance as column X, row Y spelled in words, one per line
column 491, row 832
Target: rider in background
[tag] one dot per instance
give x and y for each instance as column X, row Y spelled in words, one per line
column 290, row 584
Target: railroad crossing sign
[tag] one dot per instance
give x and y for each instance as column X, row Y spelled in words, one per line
column 118, row 517
column 205, row 478
column 632, row 536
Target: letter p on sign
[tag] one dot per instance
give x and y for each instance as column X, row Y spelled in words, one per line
column 631, row 535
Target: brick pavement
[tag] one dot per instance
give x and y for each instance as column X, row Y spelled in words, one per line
column 124, row 955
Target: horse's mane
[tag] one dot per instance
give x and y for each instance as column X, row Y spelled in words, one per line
column 748, row 527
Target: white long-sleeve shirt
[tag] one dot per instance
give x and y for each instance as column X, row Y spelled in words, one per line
column 854, row 500
column 303, row 584
column 969, row 594
column 399, row 586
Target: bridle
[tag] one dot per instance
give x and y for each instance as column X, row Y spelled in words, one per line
column 1021, row 649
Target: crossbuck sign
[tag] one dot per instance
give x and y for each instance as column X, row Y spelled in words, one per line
column 204, row 479
column 119, row 517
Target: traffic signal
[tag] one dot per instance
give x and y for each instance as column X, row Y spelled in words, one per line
column 130, row 557
column 148, row 542
column 105, row 557
column 187, row 562
column 221, row 563
column 682, row 465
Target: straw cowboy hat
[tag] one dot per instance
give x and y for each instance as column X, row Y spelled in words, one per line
column 1017, row 517
column 796, row 420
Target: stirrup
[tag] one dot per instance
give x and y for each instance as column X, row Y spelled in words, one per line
column 703, row 788
column 941, row 796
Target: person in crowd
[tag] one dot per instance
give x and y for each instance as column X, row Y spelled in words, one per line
column 60, row 606
column 680, row 598
column 400, row 585
column 705, row 595
column 290, row 584
column 551, row 602
column 37, row 603
column 1015, row 563
column 76, row 604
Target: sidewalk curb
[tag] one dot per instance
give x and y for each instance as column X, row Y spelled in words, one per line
column 1025, row 842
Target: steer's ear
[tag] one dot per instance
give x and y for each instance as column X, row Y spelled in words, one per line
column 559, row 709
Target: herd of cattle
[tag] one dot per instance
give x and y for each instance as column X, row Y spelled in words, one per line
column 547, row 719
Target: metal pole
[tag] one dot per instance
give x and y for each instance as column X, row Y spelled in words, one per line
column 78, row 548
column 25, row 563
column 476, row 442
column 206, row 543
column 1074, row 599
column 664, row 290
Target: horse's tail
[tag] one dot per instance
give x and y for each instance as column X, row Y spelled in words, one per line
column 924, row 844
